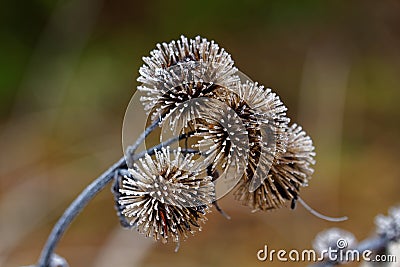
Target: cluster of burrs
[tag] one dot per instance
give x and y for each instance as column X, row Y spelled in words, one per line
column 237, row 138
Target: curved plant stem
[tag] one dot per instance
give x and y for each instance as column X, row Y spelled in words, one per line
column 84, row 197
column 152, row 150
column 74, row 209
column 92, row 189
column 132, row 149
column 319, row 215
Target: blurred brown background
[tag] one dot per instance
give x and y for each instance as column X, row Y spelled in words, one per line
column 68, row 70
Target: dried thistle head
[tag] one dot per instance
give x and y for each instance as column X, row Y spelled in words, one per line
column 267, row 109
column 166, row 197
column 187, row 102
column 223, row 137
column 223, row 145
column 251, row 136
column 289, row 172
column 172, row 66
column 194, row 84
column 265, row 118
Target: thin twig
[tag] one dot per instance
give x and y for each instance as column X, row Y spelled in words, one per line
column 74, row 209
column 83, row 199
column 319, row 215
column 92, row 189
column 152, row 150
column 132, row 149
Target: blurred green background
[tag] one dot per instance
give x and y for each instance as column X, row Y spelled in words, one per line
column 69, row 68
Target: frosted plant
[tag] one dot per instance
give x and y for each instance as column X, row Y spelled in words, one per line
column 388, row 227
column 264, row 117
column 166, row 197
column 181, row 70
column 289, row 171
column 224, row 138
column 236, row 134
column 250, row 137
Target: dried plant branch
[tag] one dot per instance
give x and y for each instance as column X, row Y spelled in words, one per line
column 96, row 186
column 192, row 86
column 151, row 150
column 132, row 149
column 74, row 209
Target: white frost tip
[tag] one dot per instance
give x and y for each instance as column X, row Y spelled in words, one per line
column 178, row 244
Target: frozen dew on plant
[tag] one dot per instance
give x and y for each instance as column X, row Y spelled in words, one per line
column 224, row 138
column 182, row 79
column 188, row 114
column 290, row 171
column 264, row 116
column 166, row 197
column 223, row 144
column 238, row 129
column 388, row 226
column 180, row 70
column 251, row 128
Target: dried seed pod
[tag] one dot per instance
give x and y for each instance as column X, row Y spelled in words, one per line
column 166, row 197
column 290, row 171
column 175, row 69
column 187, row 102
column 267, row 109
column 256, row 144
column 187, row 81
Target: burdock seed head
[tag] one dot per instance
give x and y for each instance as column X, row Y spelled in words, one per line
column 252, row 128
column 166, row 197
column 181, row 70
column 289, row 172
